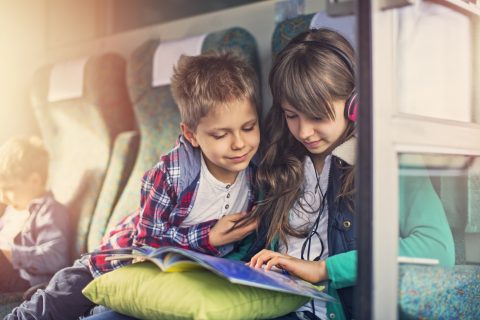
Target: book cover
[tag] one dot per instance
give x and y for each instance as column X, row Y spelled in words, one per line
column 173, row 259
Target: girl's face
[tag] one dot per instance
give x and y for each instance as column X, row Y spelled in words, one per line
column 316, row 134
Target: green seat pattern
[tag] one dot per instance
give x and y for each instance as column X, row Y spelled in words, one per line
column 439, row 292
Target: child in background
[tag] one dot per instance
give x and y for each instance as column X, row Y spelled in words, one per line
column 307, row 173
column 197, row 191
column 34, row 228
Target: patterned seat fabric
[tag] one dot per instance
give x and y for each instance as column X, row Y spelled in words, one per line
column 79, row 134
column 439, row 292
column 157, row 115
column 425, row 292
column 287, row 30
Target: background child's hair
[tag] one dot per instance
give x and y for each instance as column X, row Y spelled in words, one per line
column 20, row 157
column 201, row 83
column 310, row 78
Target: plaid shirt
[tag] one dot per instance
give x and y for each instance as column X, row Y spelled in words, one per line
column 167, row 197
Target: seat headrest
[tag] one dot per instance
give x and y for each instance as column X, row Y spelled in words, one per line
column 167, row 54
column 66, row 80
column 345, row 25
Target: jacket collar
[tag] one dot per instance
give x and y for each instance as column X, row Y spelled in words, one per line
column 35, row 203
column 347, row 151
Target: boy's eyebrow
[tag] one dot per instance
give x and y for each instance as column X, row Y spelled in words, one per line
column 252, row 121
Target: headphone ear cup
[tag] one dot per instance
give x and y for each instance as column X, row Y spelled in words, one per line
column 351, row 107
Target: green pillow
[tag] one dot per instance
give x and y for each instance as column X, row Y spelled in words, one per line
column 143, row 291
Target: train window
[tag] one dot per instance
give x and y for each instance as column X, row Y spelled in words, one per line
column 434, row 187
column 439, row 210
column 433, row 47
column 425, row 148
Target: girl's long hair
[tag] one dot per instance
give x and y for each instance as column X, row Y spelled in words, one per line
column 310, row 78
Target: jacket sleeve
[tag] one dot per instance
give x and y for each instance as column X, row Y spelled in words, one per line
column 162, row 213
column 50, row 252
column 424, row 229
column 342, row 269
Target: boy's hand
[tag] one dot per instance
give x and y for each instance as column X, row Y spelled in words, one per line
column 221, row 234
column 311, row 271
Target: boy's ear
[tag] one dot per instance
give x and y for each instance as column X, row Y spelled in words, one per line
column 189, row 134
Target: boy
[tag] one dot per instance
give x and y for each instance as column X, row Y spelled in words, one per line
column 34, row 227
column 197, row 191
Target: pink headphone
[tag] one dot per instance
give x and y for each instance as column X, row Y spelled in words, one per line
column 351, row 107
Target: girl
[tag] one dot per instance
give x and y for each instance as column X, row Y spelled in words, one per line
column 307, row 174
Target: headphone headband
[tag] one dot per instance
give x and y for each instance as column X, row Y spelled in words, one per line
column 337, row 51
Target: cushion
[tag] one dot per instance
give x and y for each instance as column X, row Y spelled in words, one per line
column 143, row 291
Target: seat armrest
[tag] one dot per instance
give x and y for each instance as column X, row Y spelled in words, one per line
column 124, row 155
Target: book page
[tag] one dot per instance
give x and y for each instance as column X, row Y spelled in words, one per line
column 238, row 272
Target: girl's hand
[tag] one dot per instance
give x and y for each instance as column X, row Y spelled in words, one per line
column 311, row 271
column 221, row 234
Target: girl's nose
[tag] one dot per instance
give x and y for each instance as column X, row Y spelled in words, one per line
column 305, row 129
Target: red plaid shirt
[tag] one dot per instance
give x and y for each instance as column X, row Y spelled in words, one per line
column 167, row 196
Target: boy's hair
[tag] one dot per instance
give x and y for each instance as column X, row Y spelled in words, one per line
column 202, row 83
column 20, row 157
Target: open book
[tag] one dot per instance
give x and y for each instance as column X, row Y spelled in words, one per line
column 173, row 259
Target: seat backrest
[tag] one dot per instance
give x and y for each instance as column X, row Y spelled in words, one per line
column 80, row 107
column 288, row 29
column 157, row 115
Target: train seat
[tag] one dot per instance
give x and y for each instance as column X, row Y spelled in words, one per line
column 79, row 126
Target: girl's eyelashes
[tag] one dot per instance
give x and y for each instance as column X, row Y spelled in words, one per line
column 290, row 116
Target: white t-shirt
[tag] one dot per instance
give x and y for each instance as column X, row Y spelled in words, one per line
column 11, row 223
column 303, row 215
column 217, row 198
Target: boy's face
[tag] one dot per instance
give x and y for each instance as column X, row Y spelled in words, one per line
column 19, row 193
column 229, row 137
